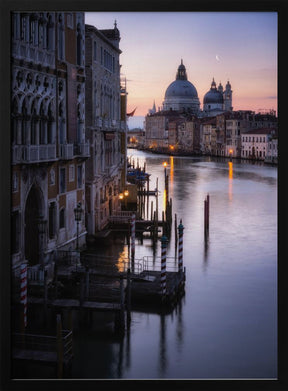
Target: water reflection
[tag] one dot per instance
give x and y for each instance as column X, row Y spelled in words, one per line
column 123, row 259
column 230, row 189
column 171, row 175
column 163, row 350
column 226, row 325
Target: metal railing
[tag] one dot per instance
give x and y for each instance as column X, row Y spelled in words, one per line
column 154, row 264
column 66, row 151
column 33, row 153
column 47, row 343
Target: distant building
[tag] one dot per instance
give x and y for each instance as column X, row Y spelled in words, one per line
column 49, row 148
column 257, row 143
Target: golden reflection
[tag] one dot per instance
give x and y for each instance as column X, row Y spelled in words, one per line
column 122, row 262
column 164, row 199
column 230, row 189
column 171, row 173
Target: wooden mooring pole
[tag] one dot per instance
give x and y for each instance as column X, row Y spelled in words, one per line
column 180, row 250
column 133, row 229
column 163, row 266
column 206, row 215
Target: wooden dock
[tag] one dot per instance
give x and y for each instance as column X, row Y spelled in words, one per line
column 55, row 350
column 75, row 304
column 146, row 289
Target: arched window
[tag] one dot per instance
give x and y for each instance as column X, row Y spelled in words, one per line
column 33, row 139
column 22, row 27
column 14, row 120
column 62, row 135
column 78, row 124
column 50, row 125
column 62, row 218
column 40, row 31
column 52, row 221
column 49, row 32
column 61, row 43
column 42, row 125
column 79, row 45
column 24, row 123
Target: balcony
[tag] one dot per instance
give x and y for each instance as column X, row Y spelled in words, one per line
column 82, row 149
column 32, row 53
column 66, row 151
column 29, row 154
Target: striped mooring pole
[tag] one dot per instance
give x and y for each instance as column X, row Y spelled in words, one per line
column 133, row 223
column 163, row 265
column 23, row 297
column 180, row 249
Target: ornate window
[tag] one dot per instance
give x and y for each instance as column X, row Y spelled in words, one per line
column 62, row 182
column 52, row 220
column 61, row 41
column 79, row 45
column 79, row 176
column 62, row 218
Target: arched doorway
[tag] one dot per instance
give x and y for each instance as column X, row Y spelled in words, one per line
column 32, row 213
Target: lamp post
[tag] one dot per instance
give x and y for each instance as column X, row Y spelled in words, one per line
column 78, row 215
column 126, row 193
column 123, row 196
column 42, row 224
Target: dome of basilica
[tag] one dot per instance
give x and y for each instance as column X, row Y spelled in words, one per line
column 213, row 96
column 181, row 93
column 181, row 88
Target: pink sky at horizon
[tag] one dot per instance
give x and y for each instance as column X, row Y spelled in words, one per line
column 237, row 46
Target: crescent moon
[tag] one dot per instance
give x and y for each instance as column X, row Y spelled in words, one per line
column 217, row 57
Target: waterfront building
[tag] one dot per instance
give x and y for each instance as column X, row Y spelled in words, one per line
column 105, row 126
column 49, row 148
column 209, row 136
column 260, row 143
column 156, row 131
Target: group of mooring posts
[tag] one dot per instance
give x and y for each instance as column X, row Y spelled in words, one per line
column 167, row 292
column 181, row 271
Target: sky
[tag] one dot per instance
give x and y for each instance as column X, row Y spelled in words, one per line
column 237, row 46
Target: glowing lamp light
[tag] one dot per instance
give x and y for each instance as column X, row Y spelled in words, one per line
column 165, row 164
column 230, row 150
column 121, row 196
column 126, row 193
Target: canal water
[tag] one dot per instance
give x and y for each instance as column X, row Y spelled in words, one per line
column 225, row 327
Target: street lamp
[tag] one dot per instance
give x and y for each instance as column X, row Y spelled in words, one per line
column 42, row 224
column 230, row 154
column 78, row 215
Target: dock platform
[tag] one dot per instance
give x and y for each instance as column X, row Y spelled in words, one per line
column 146, row 289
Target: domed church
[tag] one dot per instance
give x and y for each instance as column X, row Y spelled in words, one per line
column 181, row 95
column 216, row 101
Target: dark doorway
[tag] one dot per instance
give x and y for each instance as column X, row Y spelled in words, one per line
column 32, row 212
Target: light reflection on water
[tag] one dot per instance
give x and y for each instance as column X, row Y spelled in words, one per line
column 225, row 326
